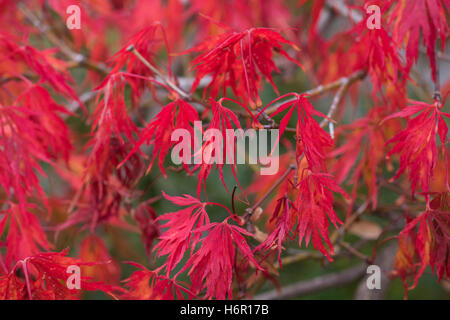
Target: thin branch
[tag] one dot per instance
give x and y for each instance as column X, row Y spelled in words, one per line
column 85, row 97
column 298, row 257
column 314, row 285
column 437, row 84
column 355, row 252
column 337, row 235
column 336, row 100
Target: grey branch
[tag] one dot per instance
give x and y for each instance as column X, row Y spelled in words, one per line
column 317, row 284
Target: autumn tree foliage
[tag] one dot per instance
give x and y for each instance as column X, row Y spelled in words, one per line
column 86, row 123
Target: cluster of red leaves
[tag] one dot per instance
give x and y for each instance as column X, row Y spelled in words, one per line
column 404, row 24
column 211, row 265
column 308, row 216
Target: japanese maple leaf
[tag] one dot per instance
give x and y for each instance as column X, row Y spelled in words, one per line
column 53, row 135
column 239, row 60
column 172, row 13
column 416, row 144
column 146, row 284
column 111, row 118
column 374, row 51
column 21, row 141
column 412, row 18
column 313, row 207
column 312, row 140
column 32, row 131
column 145, row 216
column 176, row 115
column 146, row 43
column 112, row 131
column 25, row 234
column 106, row 269
column 362, row 151
column 432, row 242
column 222, row 151
column 381, row 59
column 282, row 219
column 45, row 279
column 211, row 267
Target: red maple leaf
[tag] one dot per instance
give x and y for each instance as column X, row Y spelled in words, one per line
column 111, row 118
column 221, row 151
column 211, row 267
column 363, row 150
column 22, row 140
column 25, row 234
column 53, row 135
column 416, row 144
column 431, row 242
column 405, row 265
column 47, row 67
column 106, row 269
column 282, row 219
column 181, row 228
column 101, row 187
column 239, row 60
